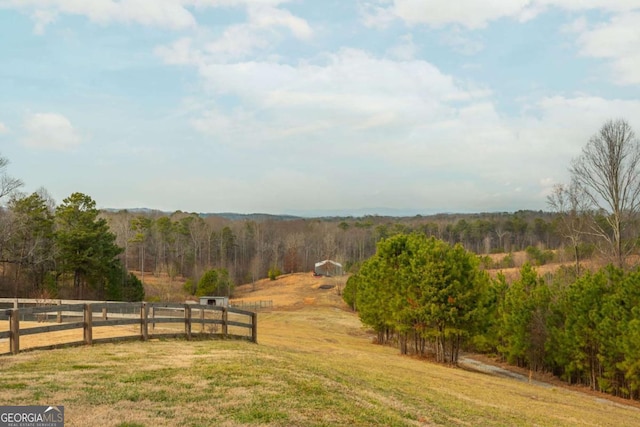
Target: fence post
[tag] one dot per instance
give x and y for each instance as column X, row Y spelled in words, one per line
column 144, row 321
column 254, row 327
column 187, row 321
column 88, row 325
column 104, row 314
column 59, row 317
column 224, row 322
column 201, row 320
column 14, row 327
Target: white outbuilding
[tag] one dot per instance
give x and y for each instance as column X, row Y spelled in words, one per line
column 328, row 268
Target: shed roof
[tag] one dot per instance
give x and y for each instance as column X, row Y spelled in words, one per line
column 326, row 261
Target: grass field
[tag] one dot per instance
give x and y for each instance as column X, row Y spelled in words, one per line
column 314, row 365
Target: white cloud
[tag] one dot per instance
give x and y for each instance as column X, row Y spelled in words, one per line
column 351, row 89
column 616, row 40
column 162, row 13
column 578, row 5
column 50, row 131
column 268, row 17
column 473, row 14
column 3, row 128
column 237, row 41
column 376, row 14
column 172, row 14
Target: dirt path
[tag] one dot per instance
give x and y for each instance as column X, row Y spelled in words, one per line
column 471, row 364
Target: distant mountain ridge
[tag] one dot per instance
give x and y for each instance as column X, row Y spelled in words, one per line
column 226, row 215
column 329, row 214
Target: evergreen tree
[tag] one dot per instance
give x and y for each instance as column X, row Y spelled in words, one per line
column 422, row 289
column 215, row 282
column 86, row 248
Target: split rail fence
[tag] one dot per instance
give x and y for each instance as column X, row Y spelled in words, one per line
column 149, row 320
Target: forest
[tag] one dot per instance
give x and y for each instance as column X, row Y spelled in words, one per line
column 187, row 245
column 74, row 250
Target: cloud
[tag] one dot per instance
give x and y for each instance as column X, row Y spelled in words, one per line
column 50, row 131
column 268, row 17
column 352, row 90
column 171, row 14
column 376, row 14
column 161, row 13
column 406, row 116
column 616, row 40
column 3, row 128
column 255, row 37
column 472, row 14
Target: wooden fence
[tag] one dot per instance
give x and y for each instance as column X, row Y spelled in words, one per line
column 252, row 305
column 198, row 320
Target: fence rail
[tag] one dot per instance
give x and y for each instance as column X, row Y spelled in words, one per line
column 198, row 320
column 252, row 305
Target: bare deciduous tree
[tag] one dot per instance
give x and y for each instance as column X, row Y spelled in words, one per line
column 608, row 170
column 570, row 203
column 7, row 184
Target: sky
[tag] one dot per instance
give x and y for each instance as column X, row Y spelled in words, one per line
column 310, row 107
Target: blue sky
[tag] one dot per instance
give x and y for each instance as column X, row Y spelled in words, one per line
column 308, row 107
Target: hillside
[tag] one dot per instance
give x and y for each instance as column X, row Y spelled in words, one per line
column 315, row 365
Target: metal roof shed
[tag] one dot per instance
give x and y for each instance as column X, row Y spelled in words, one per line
column 328, row 268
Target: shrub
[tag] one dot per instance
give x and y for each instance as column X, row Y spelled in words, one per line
column 215, row 282
column 508, row 261
column 538, row 257
column 273, row 273
column 190, row 287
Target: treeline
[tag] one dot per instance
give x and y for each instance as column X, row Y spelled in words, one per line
column 428, row 297
column 586, row 329
column 189, row 244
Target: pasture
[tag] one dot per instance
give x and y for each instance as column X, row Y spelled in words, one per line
column 314, row 365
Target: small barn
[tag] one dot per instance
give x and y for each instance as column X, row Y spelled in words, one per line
column 328, row 268
column 217, row 301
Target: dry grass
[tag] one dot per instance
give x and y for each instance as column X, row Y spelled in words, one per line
column 314, row 366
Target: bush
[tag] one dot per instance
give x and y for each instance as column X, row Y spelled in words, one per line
column 190, row 287
column 215, row 282
column 508, row 261
column 133, row 289
column 538, row 257
column 273, row 273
